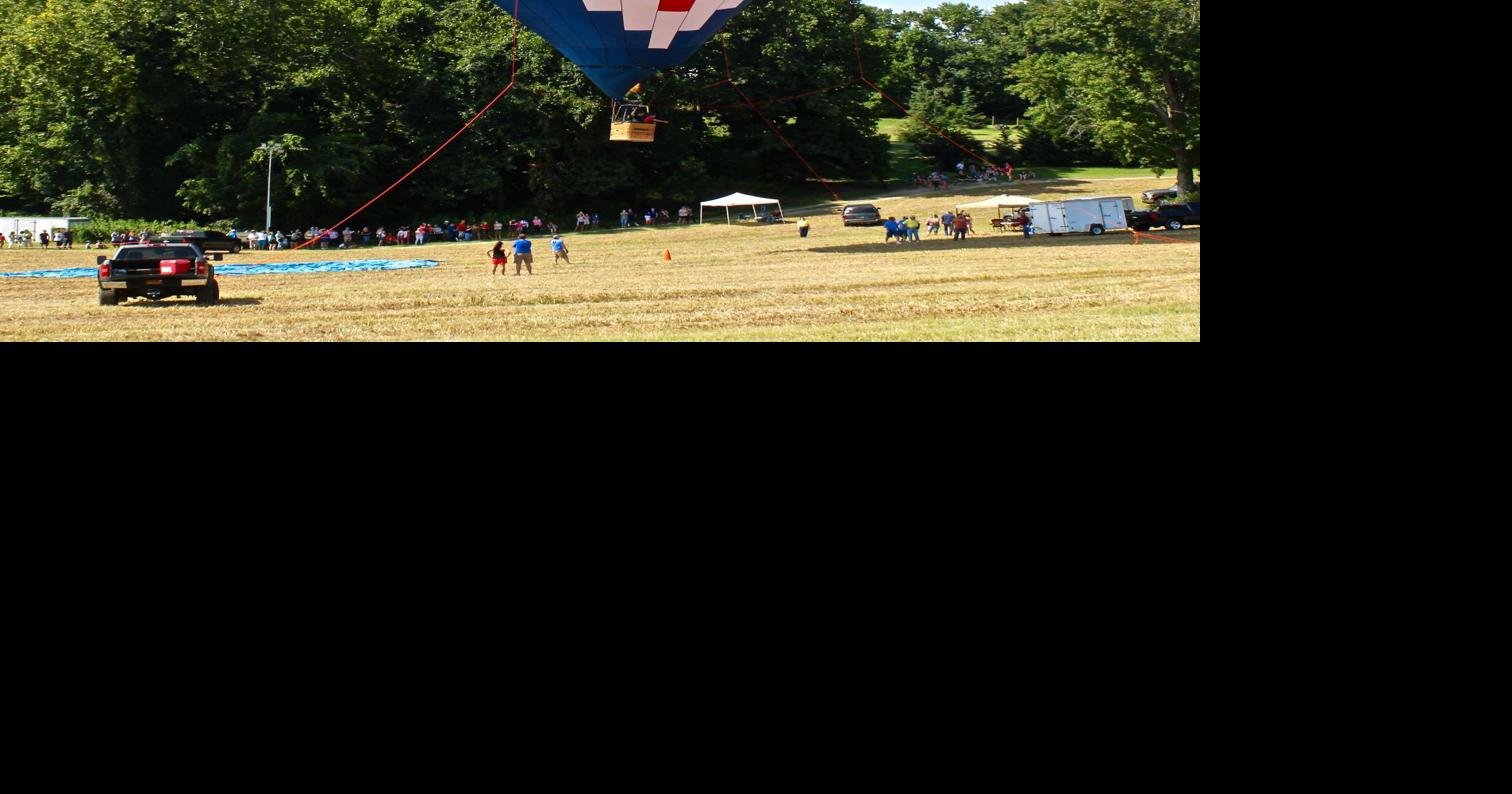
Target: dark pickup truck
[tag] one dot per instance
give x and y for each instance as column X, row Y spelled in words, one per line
column 1171, row 216
column 157, row 271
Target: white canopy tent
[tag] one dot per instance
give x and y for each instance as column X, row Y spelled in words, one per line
column 737, row 200
column 999, row 202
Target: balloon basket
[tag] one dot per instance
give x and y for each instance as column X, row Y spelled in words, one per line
column 632, row 132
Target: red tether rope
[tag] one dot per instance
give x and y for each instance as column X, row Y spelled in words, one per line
column 773, row 127
column 513, row 63
column 861, row 68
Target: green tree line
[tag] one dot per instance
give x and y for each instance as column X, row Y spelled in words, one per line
column 157, row 108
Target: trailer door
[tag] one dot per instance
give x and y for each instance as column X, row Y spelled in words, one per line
column 1058, row 222
column 1081, row 215
column 1113, row 216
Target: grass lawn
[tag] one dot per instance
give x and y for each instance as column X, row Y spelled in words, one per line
column 906, row 161
column 723, row 283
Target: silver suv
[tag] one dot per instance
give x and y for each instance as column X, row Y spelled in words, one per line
column 1157, row 196
column 861, row 215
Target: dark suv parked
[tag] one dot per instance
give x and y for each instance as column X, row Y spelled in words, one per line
column 1177, row 216
column 205, row 240
column 861, row 215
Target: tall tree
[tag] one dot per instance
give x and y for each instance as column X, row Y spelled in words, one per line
column 1127, row 72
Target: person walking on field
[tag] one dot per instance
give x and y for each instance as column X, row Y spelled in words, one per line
column 803, row 227
column 500, row 259
column 559, row 250
column 522, row 255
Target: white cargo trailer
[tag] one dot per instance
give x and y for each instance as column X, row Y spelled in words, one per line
column 1081, row 216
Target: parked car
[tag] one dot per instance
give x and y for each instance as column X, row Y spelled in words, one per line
column 861, row 215
column 157, row 271
column 206, row 240
column 1178, row 216
column 1157, row 196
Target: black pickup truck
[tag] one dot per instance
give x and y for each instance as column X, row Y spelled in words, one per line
column 157, row 271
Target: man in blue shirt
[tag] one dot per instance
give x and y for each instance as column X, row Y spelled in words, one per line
column 892, row 229
column 522, row 255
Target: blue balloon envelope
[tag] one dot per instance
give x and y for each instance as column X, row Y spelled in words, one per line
column 619, row 43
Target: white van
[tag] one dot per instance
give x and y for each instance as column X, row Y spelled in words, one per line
column 1081, row 216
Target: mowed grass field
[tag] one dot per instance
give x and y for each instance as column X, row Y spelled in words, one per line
column 723, row 283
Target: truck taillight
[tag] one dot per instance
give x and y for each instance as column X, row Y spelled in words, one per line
column 105, row 270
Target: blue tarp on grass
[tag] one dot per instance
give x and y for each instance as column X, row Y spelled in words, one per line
column 255, row 270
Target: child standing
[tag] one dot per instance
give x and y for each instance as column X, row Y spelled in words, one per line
column 500, row 259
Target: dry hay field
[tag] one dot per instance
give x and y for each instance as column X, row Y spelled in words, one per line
column 723, row 283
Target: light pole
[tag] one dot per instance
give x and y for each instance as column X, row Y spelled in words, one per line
column 270, row 150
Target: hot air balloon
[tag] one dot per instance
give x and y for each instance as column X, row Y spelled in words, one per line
column 621, row 43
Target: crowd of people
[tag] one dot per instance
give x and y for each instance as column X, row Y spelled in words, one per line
column 652, row 217
column 449, row 231
column 420, row 234
column 968, row 172
column 956, row 225
column 62, row 239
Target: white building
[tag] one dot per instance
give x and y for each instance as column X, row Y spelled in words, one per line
column 36, row 225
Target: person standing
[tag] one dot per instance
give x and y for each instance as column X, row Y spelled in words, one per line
column 522, row 255
column 500, row 258
column 962, row 223
column 891, row 225
column 559, row 250
column 912, row 224
column 803, row 226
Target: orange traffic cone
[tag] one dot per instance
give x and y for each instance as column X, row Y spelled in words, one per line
column 667, row 255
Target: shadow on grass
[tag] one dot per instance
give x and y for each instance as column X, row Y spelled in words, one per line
column 165, row 304
column 1003, row 240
